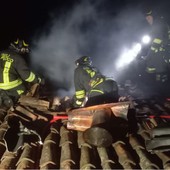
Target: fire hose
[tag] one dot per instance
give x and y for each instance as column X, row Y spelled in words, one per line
column 155, row 116
column 56, row 118
column 65, row 117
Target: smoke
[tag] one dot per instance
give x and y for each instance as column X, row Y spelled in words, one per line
column 88, row 28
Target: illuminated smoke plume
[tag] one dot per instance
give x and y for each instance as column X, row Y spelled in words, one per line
column 86, row 29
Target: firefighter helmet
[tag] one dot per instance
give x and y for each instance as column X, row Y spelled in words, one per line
column 84, row 60
column 149, row 12
column 20, row 46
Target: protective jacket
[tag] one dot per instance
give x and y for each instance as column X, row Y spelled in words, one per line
column 157, row 58
column 13, row 72
column 89, row 82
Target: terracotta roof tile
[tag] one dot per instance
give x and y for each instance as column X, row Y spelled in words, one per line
column 62, row 148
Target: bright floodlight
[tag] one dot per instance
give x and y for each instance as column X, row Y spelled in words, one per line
column 146, row 39
column 137, row 48
column 128, row 56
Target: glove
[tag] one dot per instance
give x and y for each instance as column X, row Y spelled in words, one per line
column 144, row 57
column 5, row 100
column 41, row 80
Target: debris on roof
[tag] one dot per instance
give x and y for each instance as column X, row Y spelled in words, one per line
column 109, row 136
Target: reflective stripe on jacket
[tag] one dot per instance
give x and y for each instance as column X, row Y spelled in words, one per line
column 86, row 79
column 13, row 70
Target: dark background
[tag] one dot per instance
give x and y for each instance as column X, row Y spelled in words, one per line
column 24, row 18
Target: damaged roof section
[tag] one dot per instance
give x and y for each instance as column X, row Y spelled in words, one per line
column 109, row 136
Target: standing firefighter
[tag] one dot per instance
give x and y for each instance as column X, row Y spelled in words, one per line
column 14, row 72
column 157, row 59
column 91, row 86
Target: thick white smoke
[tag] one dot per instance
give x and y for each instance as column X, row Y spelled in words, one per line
column 85, row 29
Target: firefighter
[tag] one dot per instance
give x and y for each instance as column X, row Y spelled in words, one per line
column 91, row 87
column 157, row 60
column 14, row 73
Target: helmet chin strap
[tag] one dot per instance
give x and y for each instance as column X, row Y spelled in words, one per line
column 23, row 50
column 18, row 50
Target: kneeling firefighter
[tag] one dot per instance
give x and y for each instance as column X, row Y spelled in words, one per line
column 91, row 87
column 14, row 73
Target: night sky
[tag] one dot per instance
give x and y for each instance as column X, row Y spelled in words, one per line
column 60, row 31
column 25, row 18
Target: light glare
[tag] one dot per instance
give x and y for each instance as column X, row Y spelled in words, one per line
column 129, row 55
column 146, row 39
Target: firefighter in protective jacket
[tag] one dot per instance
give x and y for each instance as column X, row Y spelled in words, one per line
column 157, row 59
column 14, row 72
column 91, row 86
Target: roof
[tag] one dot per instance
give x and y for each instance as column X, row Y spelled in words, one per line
column 44, row 145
